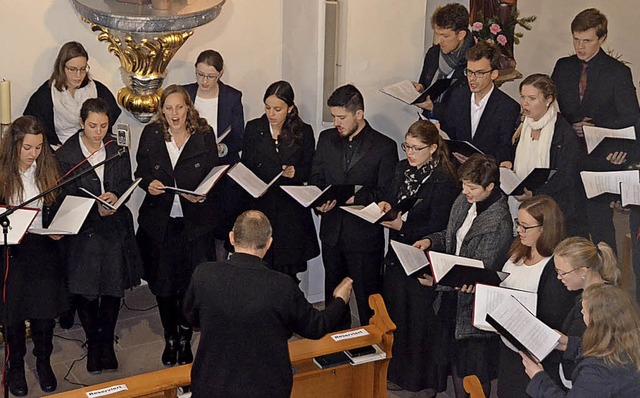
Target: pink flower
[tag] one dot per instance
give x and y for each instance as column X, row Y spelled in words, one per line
column 495, row 29
column 477, row 26
column 502, row 39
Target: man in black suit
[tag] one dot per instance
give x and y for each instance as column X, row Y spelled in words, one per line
column 246, row 313
column 480, row 112
column 595, row 89
column 352, row 153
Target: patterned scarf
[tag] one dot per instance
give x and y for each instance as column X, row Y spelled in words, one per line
column 414, row 178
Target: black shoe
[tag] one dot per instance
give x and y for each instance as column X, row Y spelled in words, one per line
column 67, row 319
column 17, row 381
column 170, row 353
column 94, row 361
column 46, row 377
column 185, row 355
column 108, row 358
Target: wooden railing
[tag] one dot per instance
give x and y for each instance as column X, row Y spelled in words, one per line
column 367, row 380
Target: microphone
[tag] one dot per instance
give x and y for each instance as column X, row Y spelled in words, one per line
column 123, row 135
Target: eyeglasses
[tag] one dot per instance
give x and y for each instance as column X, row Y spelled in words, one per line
column 77, row 71
column 478, row 74
column 409, row 148
column 561, row 273
column 203, row 76
column 525, row 228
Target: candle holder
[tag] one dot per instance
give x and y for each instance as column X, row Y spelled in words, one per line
column 145, row 39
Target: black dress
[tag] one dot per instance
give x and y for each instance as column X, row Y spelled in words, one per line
column 103, row 258
column 418, row 361
column 294, row 234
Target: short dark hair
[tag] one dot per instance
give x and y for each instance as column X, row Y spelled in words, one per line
column 348, row 97
column 211, row 58
column 452, row 16
column 95, row 105
column 69, row 50
column 485, row 50
column 480, row 169
column 590, row 18
column 252, row 230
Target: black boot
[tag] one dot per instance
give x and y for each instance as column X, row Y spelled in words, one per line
column 16, row 339
column 68, row 318
column 109, row 308
column 167, row 307
column 88, row 312
column 170, row 353
column 42, row 336
column 185, row 355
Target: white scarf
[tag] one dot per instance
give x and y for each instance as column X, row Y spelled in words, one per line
column 535, row 153
column 66, row 108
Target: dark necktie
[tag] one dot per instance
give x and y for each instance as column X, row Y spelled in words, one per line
column 583, row 80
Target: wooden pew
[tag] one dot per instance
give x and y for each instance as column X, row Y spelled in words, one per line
column 367, row 380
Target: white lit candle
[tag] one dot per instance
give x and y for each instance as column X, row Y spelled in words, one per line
column 5, row 102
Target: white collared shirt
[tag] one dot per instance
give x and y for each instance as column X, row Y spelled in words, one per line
column 30, row 189
column 94, row 158
column 478, row 110
column 174, row 155
column 461, row 233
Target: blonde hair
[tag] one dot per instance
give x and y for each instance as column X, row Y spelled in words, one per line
column 613, row 332
column 581, row 252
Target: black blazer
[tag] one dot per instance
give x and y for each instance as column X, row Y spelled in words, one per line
column 230, row 113
column 198, row 157
column 430, row 68
column 246, row 314
column 292, row 224
column 495, row 128
column 40, row 105
column 372, row 166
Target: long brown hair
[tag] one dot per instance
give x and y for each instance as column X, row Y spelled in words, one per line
column 613, row 332
column 547, row 213
column 427, row 133
column 68, row 51
column 47, row 172
column 581, row 252
column 194, row 121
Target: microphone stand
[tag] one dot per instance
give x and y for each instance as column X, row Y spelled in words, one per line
column 6, row 225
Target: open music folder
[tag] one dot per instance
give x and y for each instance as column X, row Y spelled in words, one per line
column 19, row 223
column 630, row 193
column 312, row 196
column 406, row 92
column 464, row 148
column 373, row 214
column 123, row 198
column 522, row 329
column 593, row 135
column 411, row 258
column 488, row 298
column 69, row 217
column 512, row 185
column 249, row 181
column 456, row 271
column 599, row 182
column 209, row 181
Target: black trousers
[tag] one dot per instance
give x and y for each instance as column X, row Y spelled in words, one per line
column 601, row 227
column 365, row 270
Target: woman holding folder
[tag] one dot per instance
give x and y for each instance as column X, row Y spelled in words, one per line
column 479, row 227
column 102, row 259
column 35, row 288
column 178, row 149
column 532, row 268
column 428, row 178
column 280, row 142
column 546, row 140
column 608, row 356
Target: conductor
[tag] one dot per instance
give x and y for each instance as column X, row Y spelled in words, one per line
column 246, row 313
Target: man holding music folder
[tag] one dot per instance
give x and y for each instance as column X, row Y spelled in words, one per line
column 246, row 313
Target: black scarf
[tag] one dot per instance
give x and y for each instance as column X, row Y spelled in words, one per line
column 414, row 178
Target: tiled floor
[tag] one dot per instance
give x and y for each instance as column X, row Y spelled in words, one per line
column 140, row 344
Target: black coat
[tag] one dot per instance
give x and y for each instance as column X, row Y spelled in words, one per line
column 198, row 157
column 103, row 258
column 372, row 166
column 430, row 68
column 246, row 313
column 294, row 234
column 553, row 306
column 40, row 105
column 495, row 128
column 230, row 113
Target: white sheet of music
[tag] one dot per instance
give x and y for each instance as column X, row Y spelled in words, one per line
column 599, row 182
column 630, row 193
column 508, row 180
column 249, row 181
column 441, row 263
column 539, row 338
column 369, row 213
column 487, row 298
column 19, row 222
column 411, row 258
column 69, row 217
column 223, row 135
column 304, row 194
column 594, row 135
column 120, row 200
column 404, row 91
